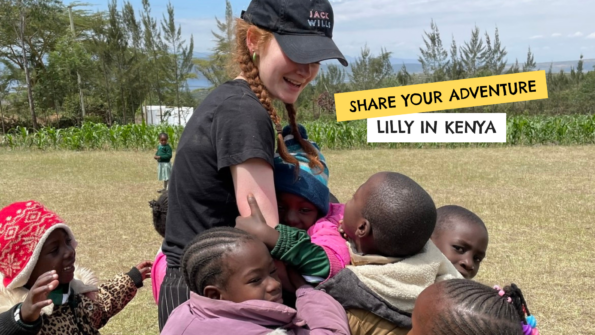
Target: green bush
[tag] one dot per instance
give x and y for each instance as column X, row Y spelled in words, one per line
column 521, row 130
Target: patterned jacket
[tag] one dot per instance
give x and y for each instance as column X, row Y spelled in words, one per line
column 88, row 308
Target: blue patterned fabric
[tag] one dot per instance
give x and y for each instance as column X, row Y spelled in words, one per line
column 311, row 185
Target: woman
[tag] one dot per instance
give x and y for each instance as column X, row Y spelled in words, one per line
column 228, row 145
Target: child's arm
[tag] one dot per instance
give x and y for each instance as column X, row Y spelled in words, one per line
column 290, row 245
column 322, row 313
column 10, row 326
column 167, row 153
column 25, row 318
column 115, row 294
column 295, row 248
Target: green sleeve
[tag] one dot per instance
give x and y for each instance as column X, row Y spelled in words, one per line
column 168, row 153
column 295, row 248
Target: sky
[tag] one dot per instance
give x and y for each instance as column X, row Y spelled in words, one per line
column 555, row 30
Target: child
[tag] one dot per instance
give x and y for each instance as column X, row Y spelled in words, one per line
column 163, row 157
column 462, row 237
column 38, row 290
column 461, row 306
column 160, row 264
column 388, row 224
column 307, row 237
column 235, row 289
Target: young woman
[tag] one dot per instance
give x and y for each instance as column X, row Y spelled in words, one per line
column 228, row 145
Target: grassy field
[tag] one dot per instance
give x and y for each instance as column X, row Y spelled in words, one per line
column 538, row 204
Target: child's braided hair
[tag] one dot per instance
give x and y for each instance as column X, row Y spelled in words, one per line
column 477, row 309
column 250, row 71
column 159, row 208
column 202, row 261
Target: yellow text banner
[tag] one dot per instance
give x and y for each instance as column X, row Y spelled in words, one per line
column 431, row 97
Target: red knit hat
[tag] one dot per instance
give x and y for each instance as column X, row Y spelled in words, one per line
column 24, row 228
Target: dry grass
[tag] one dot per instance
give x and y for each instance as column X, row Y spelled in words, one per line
column 538, row 204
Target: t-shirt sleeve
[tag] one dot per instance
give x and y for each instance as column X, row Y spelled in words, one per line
column 242, row 129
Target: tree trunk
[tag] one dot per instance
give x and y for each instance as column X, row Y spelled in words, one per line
column 27, row 76
column 122, row 95
column 2, row 117
column 109, row 100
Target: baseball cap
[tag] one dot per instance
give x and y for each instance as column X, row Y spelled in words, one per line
column 303, row 28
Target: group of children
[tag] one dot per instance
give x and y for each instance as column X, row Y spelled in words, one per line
column 385, row 262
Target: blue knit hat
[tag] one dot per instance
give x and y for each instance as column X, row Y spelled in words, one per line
column 312, row 186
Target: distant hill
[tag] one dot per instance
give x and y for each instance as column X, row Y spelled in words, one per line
column 413, row 66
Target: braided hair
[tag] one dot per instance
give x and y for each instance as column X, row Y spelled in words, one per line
column 202, row 261
column 250, row 71
column 159, row 208
column 476, row 309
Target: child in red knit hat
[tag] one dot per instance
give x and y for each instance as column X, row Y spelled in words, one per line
column 39, row 289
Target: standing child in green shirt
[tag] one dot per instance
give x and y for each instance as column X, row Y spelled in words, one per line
column 163, row 157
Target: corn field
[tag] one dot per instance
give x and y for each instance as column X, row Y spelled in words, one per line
column 521, row 130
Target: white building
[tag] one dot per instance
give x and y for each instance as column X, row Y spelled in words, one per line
column 169, row 115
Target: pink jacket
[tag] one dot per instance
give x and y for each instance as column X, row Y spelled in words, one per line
column 158, row 273
column 325, row 233
column 316, row 309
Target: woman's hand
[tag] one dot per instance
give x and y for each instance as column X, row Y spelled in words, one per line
column 256, row 225
column 37, row 298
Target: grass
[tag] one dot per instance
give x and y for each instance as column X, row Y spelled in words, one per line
column 536, row 201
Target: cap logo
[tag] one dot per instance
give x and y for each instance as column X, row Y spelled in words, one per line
column 319, row 19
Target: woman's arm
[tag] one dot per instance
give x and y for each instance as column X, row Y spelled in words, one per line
column 255, row 176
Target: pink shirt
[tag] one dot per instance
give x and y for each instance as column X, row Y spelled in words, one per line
column 325, row 233
column 158, row 273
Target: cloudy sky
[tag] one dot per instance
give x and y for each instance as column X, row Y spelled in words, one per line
column 556, row 30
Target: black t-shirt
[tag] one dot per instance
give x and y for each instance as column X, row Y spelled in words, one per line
column 229, row 127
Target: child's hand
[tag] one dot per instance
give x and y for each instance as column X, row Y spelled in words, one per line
column 37, row 298
column 295, row 278
column 342, row 231
column 145, row 269
column 157, row 157
column 256, row 225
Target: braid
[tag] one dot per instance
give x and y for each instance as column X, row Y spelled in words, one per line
column 202, row 261
column 159, row 208
column 477, row 310
column 518, row 300
column 311, row 152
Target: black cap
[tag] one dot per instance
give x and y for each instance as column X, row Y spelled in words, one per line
column 303, row 28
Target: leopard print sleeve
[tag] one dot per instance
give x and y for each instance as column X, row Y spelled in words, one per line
column 113, row 296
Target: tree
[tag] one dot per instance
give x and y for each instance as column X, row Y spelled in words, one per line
column 369, row 72
column 216, row 69
column 328, row 83
column 153, row 43
column 515, row 68
column 403, row 77
column 44, row 22
column 8, row 74
column 21, row 34
column 529, row 64
column 180, row 58
column 472, row 54
column 433, row 59
column 579, row 70
column 454, row 70
column 498, row 54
